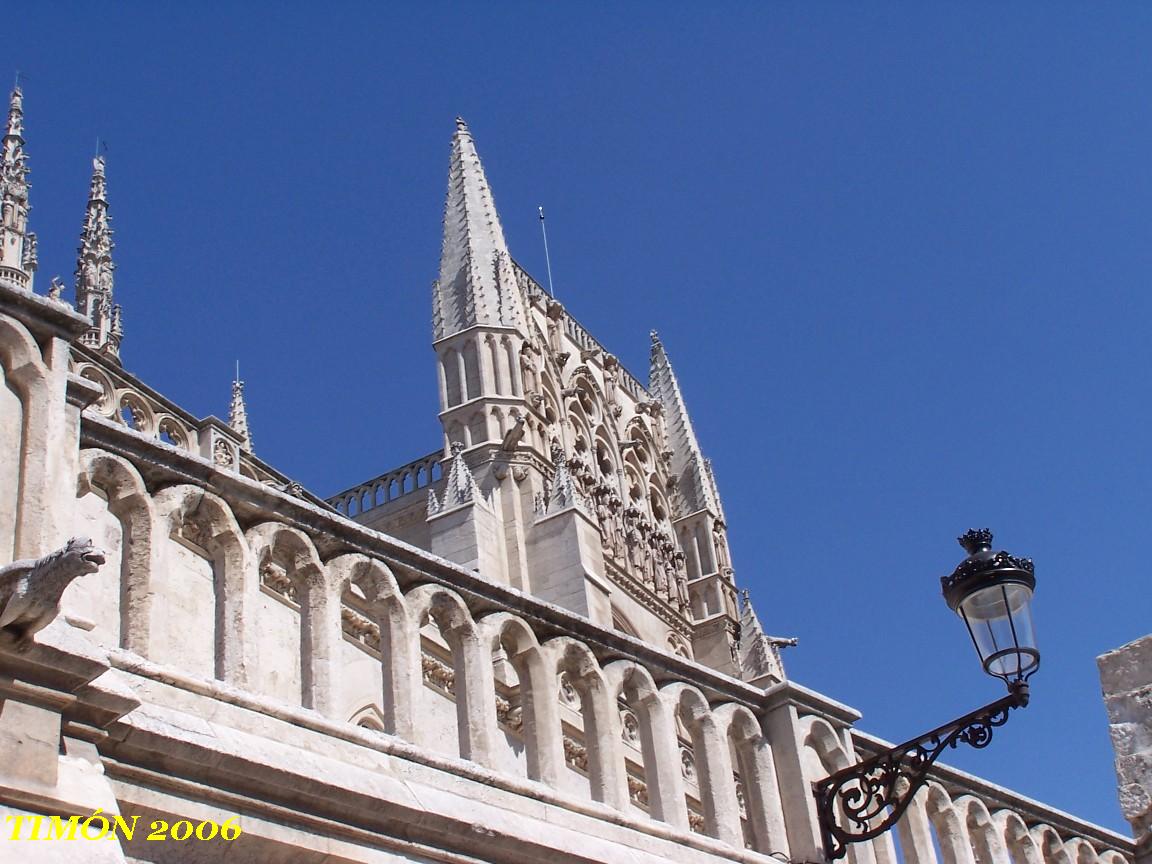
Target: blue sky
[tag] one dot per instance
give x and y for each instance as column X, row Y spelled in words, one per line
column 899, row 257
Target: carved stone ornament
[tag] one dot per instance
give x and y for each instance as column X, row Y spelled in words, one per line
column 30, row 590
column 222, row 454
column 687, row 764
column 629, row 728
column 568, row 694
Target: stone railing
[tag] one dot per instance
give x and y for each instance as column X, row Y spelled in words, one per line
column 127, row 400
column 958, row 818
column 390, row 486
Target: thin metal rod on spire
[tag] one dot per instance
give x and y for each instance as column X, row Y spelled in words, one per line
column 547, row 258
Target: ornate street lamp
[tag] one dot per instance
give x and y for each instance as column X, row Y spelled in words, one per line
column 992, row 593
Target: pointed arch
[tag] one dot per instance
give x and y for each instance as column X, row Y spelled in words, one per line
column 472, row 669
column 386, row 610
column 200, row 518
column 129, row 501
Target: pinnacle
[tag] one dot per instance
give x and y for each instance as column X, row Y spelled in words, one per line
column 476, row 285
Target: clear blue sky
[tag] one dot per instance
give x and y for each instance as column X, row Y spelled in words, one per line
column 899, row 256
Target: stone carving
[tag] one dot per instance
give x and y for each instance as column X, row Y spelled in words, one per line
column 696, row 821
column 687, row 764
column 509, row 714
column 638, row 791
column 568, row 694
column 629, row 728
column 30, row 590
column 438, row 674
column 222, row 454
column 575, row 754
column 741, row 804
column 360, row 628
column 276, row 579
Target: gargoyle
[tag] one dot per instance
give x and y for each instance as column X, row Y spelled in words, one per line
column 30, row 590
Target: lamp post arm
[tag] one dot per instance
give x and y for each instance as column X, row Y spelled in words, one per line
column 888, row 781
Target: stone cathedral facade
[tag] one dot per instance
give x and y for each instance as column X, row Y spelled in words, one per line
column 524, row 646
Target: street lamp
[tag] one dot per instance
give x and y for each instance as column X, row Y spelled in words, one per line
column 992, row 594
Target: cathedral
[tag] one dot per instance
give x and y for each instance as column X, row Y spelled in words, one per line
column 526, row 645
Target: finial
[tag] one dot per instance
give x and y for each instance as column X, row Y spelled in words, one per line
column 461, row 126
column 55, row 288
column 457, row 448
column 976, row 540
column 655, row 337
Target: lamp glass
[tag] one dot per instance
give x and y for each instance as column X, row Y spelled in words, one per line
column 999, row 618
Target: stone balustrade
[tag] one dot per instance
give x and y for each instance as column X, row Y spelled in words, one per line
column 397, row 483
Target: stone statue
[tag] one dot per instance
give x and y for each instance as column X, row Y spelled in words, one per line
column 30, row 590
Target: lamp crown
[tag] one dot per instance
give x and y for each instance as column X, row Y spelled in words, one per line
column 976, row 540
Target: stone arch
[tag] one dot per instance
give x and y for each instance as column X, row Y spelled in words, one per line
column 575, row 660
column 129, row 501
column 507, row 635
column 983, row 832
column 1080, row 851
column 386, row 610
column 498, row 377
column 514, row 384
column 450, row 370
column 472, row 669
column 711, row 763
column 951, row 830
column 289, row 567
column 656, row 736
column 200, row 518
column 368, row 717
column 24, row 431
column 1050, row 845
column 1022, row 846
column 753, row 760
column 473, row 377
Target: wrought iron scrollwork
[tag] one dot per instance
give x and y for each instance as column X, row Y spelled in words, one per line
column 872, row 795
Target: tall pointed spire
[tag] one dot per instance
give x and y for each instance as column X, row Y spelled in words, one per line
column 238, row 412
column 17, row 243
column 477, row 284
column 460, row 488
column 94, row 269
column 694, row 476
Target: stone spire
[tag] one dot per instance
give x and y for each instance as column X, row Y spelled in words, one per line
column 17, row 243
column 760, row 661
column 477, row 284
column 563, row 493
column 94, row 270
column 460, row 487
column 694, row 475
column 238, row 412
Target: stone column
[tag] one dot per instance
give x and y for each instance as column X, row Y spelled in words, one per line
column 916, row 833
column 781, row 727
column 1126, row 678
column 662, row 761
column 717, row 786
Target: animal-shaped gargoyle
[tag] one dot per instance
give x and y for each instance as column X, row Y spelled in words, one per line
column 30, row 590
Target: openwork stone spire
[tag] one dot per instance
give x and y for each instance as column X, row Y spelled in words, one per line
column 94, row 269
column 759, row 653
column 477, row 284
column 694, row 475
column 17, row 243
column 563, row 493
column 460, row 487
column 238, row 414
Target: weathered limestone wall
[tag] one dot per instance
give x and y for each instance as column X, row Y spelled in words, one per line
column 1126, row 676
